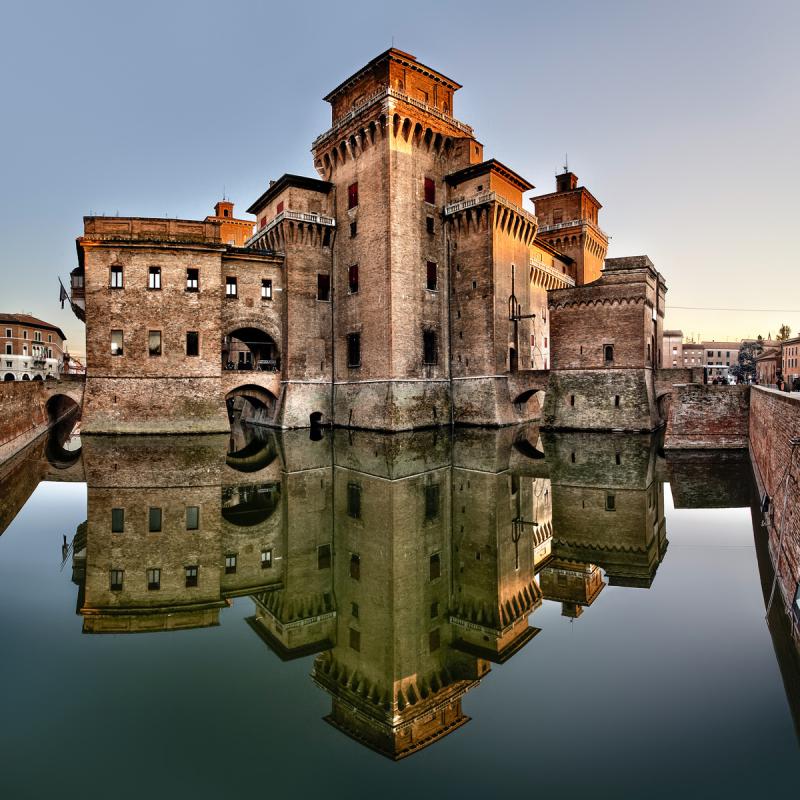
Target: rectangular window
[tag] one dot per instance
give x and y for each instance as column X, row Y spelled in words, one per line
column 231, row 289
column 611, row 502
column 355, row 567
column 192, row 518
column 354, row 500
column 192, row 343
column 116, row 579
column 9, row 349
column 429, row 225
column 432, row 277
column 191, row 576
column 608, row 353
column 354, row 610
column 266, row 289
column 230, row 564
column 352, row 195
column 154, row 278
column 266, row 559
column 192, row 280
column 353, row 349
column 430, row 191
column 279, row 208
column 435, row 568
column 324, row 556
column 434, row 610
column 24, row 334
column 353, row 229
column 8, row 333
column 355, row 640
column 323, row 286
column 352, row 278
column 154, row 520
column 429, row 354
column 116, row 278
column 117, row 520
column 153, row 578
column 434, row 640
column 116, row 343
column 431, row 501
column 154, row 343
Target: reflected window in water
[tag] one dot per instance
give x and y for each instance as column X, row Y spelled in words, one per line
column 431, row 502
column 154, row 520
column 230, row 564
column 117, row 520
column 355, row 640
column 266, row 559
column 435, row 566
column 324, row 556
column 611, row 502
column 192, row 518
column 153, row 578
column 191, row 576
column 116, row 578
column 355, row 567
column 354, row 500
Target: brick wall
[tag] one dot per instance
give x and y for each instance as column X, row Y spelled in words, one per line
column 708, row 417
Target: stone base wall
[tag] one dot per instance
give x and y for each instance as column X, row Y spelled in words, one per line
column 154, row 405
column 708, row 417
column 600, row 400
column 299, row 400
column 488, row 402
column 774, row 423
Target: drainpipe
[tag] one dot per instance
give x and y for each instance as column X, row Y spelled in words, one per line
column 449, row 321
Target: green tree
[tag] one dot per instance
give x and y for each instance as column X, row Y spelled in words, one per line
column 745, row 370
column 784, row 332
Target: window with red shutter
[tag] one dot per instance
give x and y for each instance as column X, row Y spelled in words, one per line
column 352, row 195
column 279, row 207
column 430, row 191
column 352, row 278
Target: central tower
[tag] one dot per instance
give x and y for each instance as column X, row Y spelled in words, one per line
column 392, row 141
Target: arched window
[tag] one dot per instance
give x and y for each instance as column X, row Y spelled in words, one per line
column 608, row 353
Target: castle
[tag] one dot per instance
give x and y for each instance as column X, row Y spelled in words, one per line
column 405, row 287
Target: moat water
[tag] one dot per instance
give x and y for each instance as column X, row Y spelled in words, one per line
column 354, row 615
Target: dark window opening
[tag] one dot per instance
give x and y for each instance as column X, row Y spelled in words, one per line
column 435, row 568
column 117, row 520
column 432, row 276
column 572, row 457
column 616, row 401
column 430, row 191
column 192, row 518
column 323, row 286
column 572, row 399
column 617, row 459
column 353, row 349
column 608, row 353
column 611, row 502
column 154, row 520
column 434, row 610
column 352, row 195
column 266, row 558
column 354, row 610
column 355, row 567
column 353, row 229
column 429, row 349
column 355, row 640
column 352, row 278
column 354, row 500
column 429, row 225
column 324, row 556
column 434, row 640
column 192, row 343
column 431, row 501
column 191, row 576
column 192, row 280
column 326, row 238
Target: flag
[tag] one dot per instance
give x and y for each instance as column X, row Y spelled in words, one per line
column 62, row 295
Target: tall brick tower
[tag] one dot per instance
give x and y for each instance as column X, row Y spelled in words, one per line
column 392, row 141
column 568, row 222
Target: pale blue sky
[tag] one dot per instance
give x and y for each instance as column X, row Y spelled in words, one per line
column 681, row 117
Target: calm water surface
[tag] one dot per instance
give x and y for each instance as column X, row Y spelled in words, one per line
column 379, row 615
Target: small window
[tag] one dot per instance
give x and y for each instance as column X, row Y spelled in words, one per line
column 192, row 518
column 355, row 567
column 266, row 289
column 352, row 195
column 266, row 558
column 435, row 567
column 355, row 640
column 611, row 502
column 154, row 520
column 434, row 610
column 324, row 556
column 279, row 208
column 231, row 289
column 116, row 343
column 154, row 343
column 230, row 564
column 323, row 286
column 608, row 353
column 354, row 500
column 192, row 343
column 430, row 191
column 117, row 520
column 9, row 350
column 354, row 610
column 192, row 280
column 434, row 640
column 115, row 579
column 617, row 459
column 154, row 278
column 431, row 501
column 352, row 279
column 116, row 278
column 616, row 401
column 8, row 333
column 432, row 276
column 572, row 399
column 153, row 578
column 429, row 348
column 353, row 229
column 24, row 334
column 191, row 576
column 353, row 349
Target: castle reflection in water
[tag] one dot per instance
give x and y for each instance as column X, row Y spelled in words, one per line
column 407, row 564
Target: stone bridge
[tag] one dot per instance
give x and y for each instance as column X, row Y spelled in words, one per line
column 523, row 384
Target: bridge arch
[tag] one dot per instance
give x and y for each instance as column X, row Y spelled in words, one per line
column 251, row 403
column 527, row 403
column 663, row 403
column 250, row 504
column 59, row 406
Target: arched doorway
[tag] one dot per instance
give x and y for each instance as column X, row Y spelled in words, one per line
column 9, row 376
column 250, row 349
column 26, row 377
column 251, row 404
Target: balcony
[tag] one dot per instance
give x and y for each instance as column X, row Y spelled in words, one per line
column 489, row 197
column 549, row 276
column 309, row 217
column 573, row 223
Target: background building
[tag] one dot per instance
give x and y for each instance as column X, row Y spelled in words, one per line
column 790, row 358
column 31, row 348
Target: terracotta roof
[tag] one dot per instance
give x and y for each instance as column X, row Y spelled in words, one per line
column 33, row 322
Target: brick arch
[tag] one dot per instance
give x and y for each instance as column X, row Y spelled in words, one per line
column 256, row 321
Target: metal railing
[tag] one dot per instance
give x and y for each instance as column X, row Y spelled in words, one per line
column 573, row 223
column 488, row 197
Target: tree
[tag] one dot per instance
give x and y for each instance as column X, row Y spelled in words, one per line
column 745, row 370
column 784, row 332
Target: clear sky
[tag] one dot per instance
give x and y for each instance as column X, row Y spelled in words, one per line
column 680, row 117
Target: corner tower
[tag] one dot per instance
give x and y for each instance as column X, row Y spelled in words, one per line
column 393, row 139
column 568, row 222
